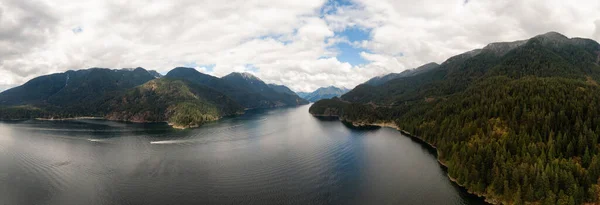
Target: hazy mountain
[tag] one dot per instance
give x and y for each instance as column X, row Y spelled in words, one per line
column 267, row 96
column 325, row 93
column 303, row 94
column 509, row 120
column 155, row 74
column 411, row 72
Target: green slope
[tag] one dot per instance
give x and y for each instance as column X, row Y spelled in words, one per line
column 70, row 94
column 516, row 122
column 249, row 92
column 180, row 103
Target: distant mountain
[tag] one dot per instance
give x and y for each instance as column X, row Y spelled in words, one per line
column 303, row 94
column 184, row 97
column 282, row 89
column 324, row 93
column 513, row 121
column 155, row 74
column 244, row 88
column 260, row 91
column 407, row 73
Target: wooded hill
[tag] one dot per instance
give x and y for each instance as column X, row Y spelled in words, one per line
column 184, row 97
column 517, row 122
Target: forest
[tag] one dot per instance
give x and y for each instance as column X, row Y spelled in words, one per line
column 517, row 126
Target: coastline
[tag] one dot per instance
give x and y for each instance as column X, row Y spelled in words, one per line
column 418, row 139
column 70, row 118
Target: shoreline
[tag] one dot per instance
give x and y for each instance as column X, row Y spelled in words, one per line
column 421, row 141
column 70, row 118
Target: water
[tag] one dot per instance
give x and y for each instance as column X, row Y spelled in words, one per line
column 279, row 156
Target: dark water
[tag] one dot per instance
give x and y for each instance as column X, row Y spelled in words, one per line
column 280, row 156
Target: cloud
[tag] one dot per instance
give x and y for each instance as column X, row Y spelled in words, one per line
column 434, row 30
column 285, row 41
column 597, row 32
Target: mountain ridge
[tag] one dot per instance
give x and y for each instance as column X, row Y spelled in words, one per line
column 324, row 93
column 508, row 120
column 138, row 95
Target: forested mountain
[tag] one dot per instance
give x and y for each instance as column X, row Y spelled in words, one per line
column 517, row 122
column 249, row 92
column 179, row 102
column 184, row 97
column 325, row 93
column 411, row 72
column 260, row 91
column 78, row 91
column 282, row 89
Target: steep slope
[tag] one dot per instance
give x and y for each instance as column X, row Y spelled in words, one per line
column 515, row 122
column 302, row 94
column 259, row 89
column 282, row 89
column 250, row 94
column 325, row 93
column 74, row 92
column 180, row 103
column 407, row 73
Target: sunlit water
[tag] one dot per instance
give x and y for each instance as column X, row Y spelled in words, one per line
column 279, row 156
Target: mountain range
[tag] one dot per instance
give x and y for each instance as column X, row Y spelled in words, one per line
column 183, row 97
column 323, row 93
column 407, row 73
column 515, row 122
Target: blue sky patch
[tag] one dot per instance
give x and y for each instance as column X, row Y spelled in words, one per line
column 209, row 67
column 331, row 5
column 346, row 51
column 251, row 68
column 77, row 30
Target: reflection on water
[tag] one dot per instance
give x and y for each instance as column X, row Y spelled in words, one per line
column 278, row 156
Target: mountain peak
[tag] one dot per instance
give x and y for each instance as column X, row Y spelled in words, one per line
column 554, row 35
column 245, row 75
column 324, row 93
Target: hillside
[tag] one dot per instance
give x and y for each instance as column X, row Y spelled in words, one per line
column 248, row 92
column 74, row 93
column 281, row 89
column 407, row 73
column 178, row 102
column 516, row 122
column 184, row 97
column 325, row 93
column 261, row 92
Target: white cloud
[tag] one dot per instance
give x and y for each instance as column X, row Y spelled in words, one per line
column 290, row 42
column 433, row 30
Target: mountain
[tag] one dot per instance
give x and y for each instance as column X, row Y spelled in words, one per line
column 514, row 121
column 183, row 98
column 250, row 92
column 325, row 93
column 281, row 89
column 303, row 94
column 180, row 103
column 264, row 94
column 407, row 73
column 75, row 92
column 155, row 74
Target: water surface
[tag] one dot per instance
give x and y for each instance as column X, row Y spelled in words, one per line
column 278, row 156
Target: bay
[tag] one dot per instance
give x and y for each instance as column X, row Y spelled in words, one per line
column 275, row 156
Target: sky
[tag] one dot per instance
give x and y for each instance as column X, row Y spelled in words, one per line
column 302, row 44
